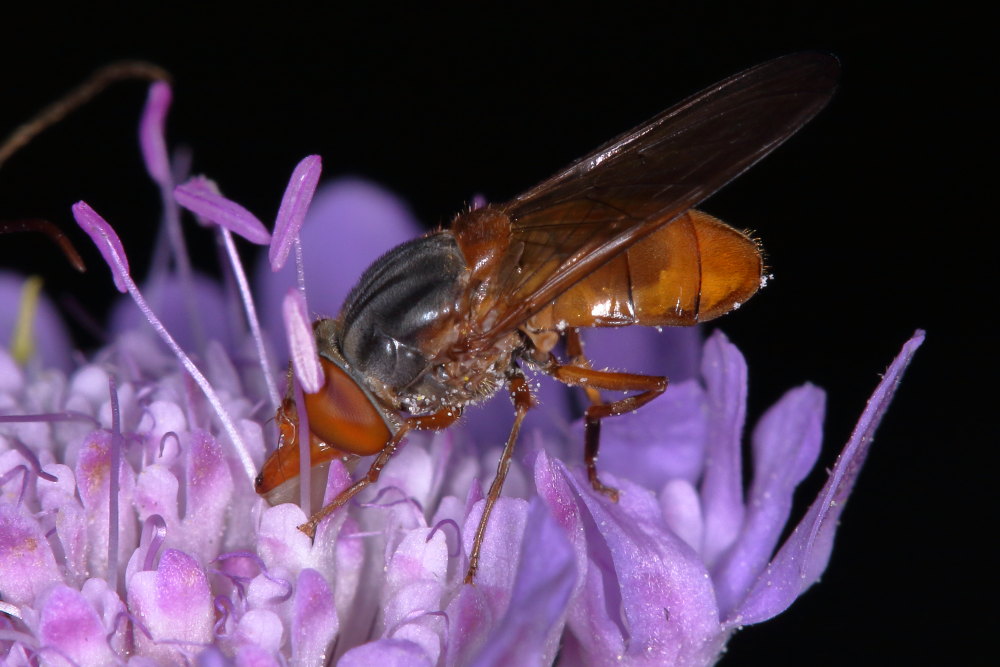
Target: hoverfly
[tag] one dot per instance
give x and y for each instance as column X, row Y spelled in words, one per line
column 444, row 321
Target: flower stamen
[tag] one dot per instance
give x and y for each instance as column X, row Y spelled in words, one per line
column 110, row 246
column 116, row 459
column 154, row 534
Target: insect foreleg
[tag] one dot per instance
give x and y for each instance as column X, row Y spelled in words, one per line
column 432, row 422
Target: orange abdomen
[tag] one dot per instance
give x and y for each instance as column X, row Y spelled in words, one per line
column 691, row 270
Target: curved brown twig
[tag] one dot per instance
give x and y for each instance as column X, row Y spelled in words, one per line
column 50, row 230
column 123, row 70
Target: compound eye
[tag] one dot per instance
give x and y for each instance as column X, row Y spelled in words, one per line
column 343, row 416
column 282, row 466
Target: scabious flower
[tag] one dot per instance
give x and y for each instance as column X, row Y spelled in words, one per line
column 129, row 529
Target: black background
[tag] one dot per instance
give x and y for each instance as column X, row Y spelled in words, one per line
column 868, row 216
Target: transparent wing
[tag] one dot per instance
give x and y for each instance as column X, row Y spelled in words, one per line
column 577, row 220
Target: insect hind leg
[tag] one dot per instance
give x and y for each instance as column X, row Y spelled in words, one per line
column 578, row 373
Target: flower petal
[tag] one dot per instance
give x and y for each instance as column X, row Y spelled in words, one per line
column 386, row 653
column 673, row 351
column 27, row 565
column 475, row 611
column 252, row 656
column 210, row 490
column 93, row 475
column 286, row 550
column 414, row 588
column 681, row 507
column 725, row 373
column 646, row 597
column 261, row 629
column 71, row 625
column 314, row 619
column 804, row 556
column 110, row 608
column 60, row 498
column 349, row 558
column 661, row 441
column 156, row 494
column 174, row 604
column 787, row 442
column 501, row 548
column 529, row 633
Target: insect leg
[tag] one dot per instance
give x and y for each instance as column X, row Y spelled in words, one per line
column 648, row 386
column 520, row 393
column 433, row 422
column 574, row 350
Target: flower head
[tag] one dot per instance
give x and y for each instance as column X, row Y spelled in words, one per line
column 129, row 526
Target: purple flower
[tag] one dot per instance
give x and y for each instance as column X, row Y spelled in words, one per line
column 129, row 527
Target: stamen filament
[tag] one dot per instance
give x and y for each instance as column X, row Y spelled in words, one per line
column 251, row 314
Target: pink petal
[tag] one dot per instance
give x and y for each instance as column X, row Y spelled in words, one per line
column 419, row 558
column 725, row 373
column 27, row 565
column 787, row 442
column 646, row 597
column 663, row 440
column 174, row 603
column 386, row 653
column 674, row 351
column 416, row 575
column 475, row 611
column 286, row 549
column 501, row 548
column 71, row 519
column 71, row 625
column 529, row 633
column 93, row 475
column 260, row 628
column 254, row 656
column 804, row 556
column 681, row 507
column 210, row 489
column 314, row 619
column 156, row 494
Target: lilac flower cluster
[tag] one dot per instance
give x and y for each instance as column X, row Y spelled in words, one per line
column 129, row 530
